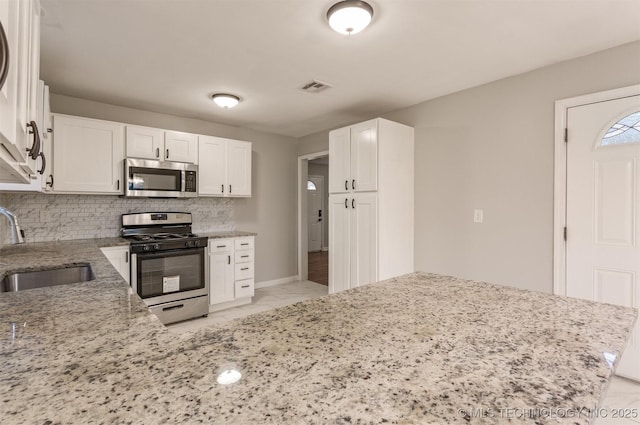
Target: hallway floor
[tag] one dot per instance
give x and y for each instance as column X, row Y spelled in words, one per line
column 319, row 267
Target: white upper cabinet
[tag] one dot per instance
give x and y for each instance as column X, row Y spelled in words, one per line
column 161, row 145
column 364, row 156
column 354, row 158
column 212, row 166
column 39, row 181
column 145, row 142
column 239, row 168
column 87, row 155
column 224, row 167
column 18, row 96
column 180, row 147
column 340, row 162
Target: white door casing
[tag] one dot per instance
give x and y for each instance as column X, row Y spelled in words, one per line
column 315, row 198
column 602, row 212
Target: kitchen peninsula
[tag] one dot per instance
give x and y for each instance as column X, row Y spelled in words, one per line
column 419, row 349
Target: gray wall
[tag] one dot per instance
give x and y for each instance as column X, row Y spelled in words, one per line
column 491, row 147
column 270, row 212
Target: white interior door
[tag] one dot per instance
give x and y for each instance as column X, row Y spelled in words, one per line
column 603, row 214
column 315, row 192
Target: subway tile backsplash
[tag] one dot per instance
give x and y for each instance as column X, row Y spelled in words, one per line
column 46, row 217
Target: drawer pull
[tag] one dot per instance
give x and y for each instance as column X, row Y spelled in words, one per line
column 245, row 286
column 221, row 246
column 245, row 244
column 173, row 307
column 245, row 268
column 244, row 256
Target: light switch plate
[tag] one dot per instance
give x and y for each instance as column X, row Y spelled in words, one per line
column 478, row 216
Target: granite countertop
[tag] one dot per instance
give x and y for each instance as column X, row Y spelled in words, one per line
column 419, row 349
column 226, row 234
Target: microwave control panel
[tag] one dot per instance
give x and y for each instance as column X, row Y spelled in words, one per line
column 190, row 181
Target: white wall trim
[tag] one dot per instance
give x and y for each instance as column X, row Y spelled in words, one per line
column 275, row 282
column 303, row 271
column 560, row 176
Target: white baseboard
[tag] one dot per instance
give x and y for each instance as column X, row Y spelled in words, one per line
column 229, row 304
column 275, row 282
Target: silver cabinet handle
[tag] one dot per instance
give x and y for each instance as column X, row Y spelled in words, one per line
column 353, row 184
column 228, row 259
column 222, row 188
column 229, row 188
column 157, row 152
column 244, row 243
column 346, row 185
column 167, row 153
column 346, row 203
column 245, row 286
column 126, row 257
column 353, row 203
column 118, row 184
column 244, row 256
column 245, row 268
column 221, row 246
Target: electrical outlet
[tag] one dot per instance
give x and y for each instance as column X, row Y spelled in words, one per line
column 478, row 216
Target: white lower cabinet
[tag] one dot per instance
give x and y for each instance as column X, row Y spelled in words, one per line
column 353, row 230
column 231, row 272
column 118, row 256
column 221, row 283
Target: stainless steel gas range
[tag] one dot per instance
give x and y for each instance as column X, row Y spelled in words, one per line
column 169, row 270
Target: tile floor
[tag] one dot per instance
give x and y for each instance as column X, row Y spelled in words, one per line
column 622, row 393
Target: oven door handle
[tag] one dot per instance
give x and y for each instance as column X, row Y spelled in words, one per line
column 133, row 278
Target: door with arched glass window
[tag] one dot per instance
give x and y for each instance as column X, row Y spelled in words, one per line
column 603, row 213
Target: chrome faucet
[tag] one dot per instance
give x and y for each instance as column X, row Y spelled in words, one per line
column 16, row 233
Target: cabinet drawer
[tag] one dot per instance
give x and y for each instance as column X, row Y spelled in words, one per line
column 244, row 243
column 244, row 271
column 220, row 245
column 245, row 288
column 244, row 256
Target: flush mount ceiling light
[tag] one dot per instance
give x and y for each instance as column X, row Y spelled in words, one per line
column 225, row 100
column 349, row 16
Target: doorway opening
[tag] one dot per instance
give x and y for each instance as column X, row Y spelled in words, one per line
column 313, row 219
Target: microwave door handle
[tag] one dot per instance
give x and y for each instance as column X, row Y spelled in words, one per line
column 184, row 180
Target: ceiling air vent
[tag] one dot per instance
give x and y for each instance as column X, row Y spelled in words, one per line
column 315, row 86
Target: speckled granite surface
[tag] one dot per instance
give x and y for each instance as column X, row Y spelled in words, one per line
column 226, row 234
column 411, row 350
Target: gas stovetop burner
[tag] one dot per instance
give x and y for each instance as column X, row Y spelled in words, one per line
column 150, row 232
column 161, row 236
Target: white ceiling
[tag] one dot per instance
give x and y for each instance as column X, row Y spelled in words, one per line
column 170, row 55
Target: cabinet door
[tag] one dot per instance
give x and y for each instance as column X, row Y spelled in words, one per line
column 212, row 165
column 8, row 93
column 87, row 155
column 119, row 259
column 180, row 147
column 239, row 168
column 364, row 156
column 340, row 163
column 221, row 282
column 364, row 239
column 339, row 241
column 145, row 142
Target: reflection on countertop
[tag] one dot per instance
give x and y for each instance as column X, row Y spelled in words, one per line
column 419, row 349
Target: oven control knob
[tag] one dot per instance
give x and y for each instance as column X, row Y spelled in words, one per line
column 196, row 243
column 156, row 247
column 188, row 244
column 145, row 248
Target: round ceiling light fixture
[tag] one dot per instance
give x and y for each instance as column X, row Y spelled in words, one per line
column 350, row 16
column 225, row 100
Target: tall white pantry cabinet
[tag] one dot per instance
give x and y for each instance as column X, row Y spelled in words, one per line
column 371, row 181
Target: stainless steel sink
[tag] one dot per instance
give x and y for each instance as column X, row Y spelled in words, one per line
column 43, row 278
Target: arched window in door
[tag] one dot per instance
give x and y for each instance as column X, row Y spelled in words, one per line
column 311, row 185
column 624, row 131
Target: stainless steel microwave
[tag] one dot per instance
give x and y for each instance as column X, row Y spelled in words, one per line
column 158, row 179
